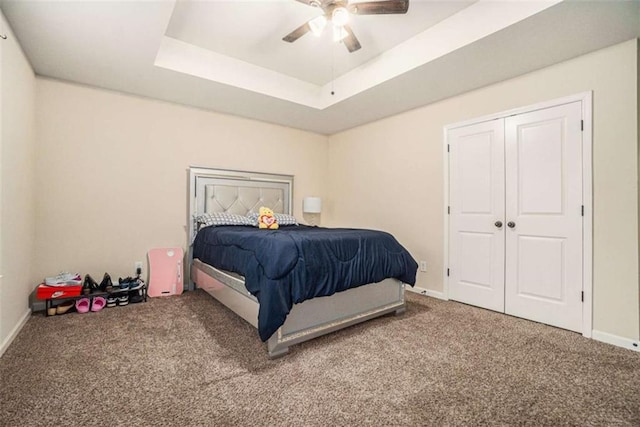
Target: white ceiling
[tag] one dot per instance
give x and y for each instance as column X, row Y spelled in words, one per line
column 254, row 33
column 228, row 56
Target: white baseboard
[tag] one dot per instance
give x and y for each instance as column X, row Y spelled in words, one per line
column 615, row 340
column 427, row 292
column 14, row 332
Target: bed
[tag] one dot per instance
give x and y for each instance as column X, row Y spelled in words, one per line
column 213, row 191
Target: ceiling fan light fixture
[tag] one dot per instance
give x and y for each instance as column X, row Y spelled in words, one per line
column 340, row 16
column 338, row 11
column 317, row 25
column 339, row 33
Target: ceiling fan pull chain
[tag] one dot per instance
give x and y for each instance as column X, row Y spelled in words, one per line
column 333, row 61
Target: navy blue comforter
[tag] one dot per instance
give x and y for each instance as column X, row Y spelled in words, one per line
column 292, row 264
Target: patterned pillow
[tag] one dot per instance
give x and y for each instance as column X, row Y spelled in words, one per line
column 284, row 219
column 281, row 219
column 222, row 218
column 253, row 218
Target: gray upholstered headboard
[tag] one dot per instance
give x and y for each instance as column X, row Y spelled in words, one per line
column 221, row 190
column 237, row 197
column 239, row 192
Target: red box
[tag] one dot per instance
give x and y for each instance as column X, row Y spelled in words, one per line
column 54, row 292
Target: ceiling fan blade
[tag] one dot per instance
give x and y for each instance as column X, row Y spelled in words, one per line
column 297, row 33
column 307, row 2
column 351, row 41
column 379, row 7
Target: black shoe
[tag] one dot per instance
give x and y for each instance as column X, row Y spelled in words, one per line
column 106, row 285
column 137, row 295
column 123, row 300
column 136, row 284
column 89, row 285
column 111, row 300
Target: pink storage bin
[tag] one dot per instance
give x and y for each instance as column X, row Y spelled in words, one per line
column 165, row 272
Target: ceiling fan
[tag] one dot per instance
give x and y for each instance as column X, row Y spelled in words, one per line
column 337, row 12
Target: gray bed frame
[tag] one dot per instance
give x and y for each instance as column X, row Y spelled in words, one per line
column 219, row 190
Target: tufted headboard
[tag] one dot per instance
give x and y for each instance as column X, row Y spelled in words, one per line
column 220, row 190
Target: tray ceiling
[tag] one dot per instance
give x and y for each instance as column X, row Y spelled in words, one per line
column 228, row 56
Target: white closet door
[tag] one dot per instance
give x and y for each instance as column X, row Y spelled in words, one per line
column 476, row 243
column 543, row 212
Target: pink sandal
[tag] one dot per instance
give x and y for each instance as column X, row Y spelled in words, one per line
column 82, row 305
column 98, row 303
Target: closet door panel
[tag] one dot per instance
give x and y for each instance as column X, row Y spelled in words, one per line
column 476, row 244
column 543, row 210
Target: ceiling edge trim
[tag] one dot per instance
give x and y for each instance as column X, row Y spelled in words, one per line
column 471, row 24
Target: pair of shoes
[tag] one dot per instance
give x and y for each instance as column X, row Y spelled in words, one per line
column 106, row 285
column 64, row 307
column 64, row 279
column 89, row 285
column 113, row 300
column 127, row 282
column 61, row 308
column 83, row 305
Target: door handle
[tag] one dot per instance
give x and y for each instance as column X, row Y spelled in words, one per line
column 511, row 224
column 498, row 224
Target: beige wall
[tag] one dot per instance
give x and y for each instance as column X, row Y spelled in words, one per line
column 17, row 92
column 112, row 172
column 389, row 174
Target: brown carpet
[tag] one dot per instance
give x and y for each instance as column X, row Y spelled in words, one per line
column 189, row 361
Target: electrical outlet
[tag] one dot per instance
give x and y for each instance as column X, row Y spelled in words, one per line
column 423, row 265
column 138, row 265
